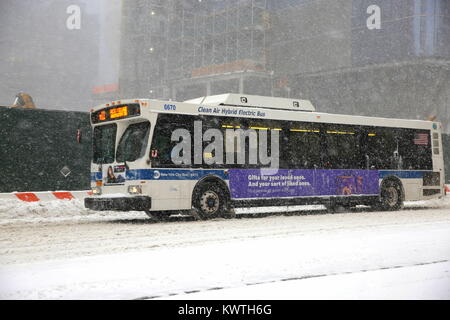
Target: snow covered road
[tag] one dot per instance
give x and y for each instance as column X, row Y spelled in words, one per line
column 360, row 254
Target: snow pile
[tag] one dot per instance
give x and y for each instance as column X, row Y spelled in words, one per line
column 443, row 203
column 58, row 210
column 15, row 209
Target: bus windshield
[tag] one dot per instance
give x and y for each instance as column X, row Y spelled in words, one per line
column 133, row 142
column 104, row 143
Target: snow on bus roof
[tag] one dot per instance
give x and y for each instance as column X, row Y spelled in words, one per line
column 241, row 100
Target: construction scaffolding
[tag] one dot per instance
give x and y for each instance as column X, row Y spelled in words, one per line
column 171, row 42
column 216, row 33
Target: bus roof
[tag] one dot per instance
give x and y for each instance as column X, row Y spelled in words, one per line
column 281, row 111
column 244, row 100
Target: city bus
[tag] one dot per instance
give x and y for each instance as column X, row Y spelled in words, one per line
column 212, row 154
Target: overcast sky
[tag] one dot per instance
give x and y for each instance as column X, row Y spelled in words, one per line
column 59, row 67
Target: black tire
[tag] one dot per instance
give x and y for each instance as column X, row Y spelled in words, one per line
column 210, row 201
column 391, row 196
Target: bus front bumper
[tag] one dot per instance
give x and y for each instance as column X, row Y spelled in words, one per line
column 119, row 204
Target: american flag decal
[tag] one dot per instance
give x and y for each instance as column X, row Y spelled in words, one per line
column 421, row 139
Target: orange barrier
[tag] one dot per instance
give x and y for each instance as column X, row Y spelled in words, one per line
column 46, row 196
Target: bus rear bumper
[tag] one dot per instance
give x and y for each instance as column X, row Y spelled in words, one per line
column 119, row 204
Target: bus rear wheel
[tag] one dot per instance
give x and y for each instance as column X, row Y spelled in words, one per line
column 210, row 201
column 391, row 196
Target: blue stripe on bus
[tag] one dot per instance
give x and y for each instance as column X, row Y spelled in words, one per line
column 402, row 174
column 172, row 174
column 187, row 174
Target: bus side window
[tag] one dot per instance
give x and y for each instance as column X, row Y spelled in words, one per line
column 287, row 153
column 415, row 149
column 302, row 147
column 381, row 145
column 162, row 144
column 343, row 148
column 162, row 147
column 398, row 148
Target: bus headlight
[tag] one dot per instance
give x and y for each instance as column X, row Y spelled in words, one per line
column 96, row 191
column 134, row 189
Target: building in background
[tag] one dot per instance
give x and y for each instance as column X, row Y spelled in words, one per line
column 56, row 65
column 189, row 48
column 62, row 60
column 106, row 86
column 369, row 57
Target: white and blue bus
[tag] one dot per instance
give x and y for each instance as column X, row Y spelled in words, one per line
column 141, row 162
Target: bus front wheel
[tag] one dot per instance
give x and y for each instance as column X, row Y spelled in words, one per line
column 210, row 201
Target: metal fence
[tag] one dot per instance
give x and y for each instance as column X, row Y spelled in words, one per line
column 44, row 150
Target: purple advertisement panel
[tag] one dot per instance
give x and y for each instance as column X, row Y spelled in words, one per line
column 268, row 183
